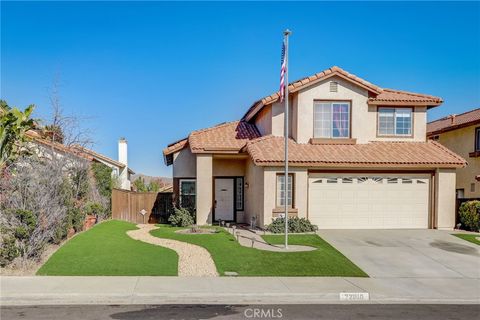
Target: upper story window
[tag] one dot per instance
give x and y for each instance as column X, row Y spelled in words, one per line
column 394, row 121
column 477, row 139
column 331, row 119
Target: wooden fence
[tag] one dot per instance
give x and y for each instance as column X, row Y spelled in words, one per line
column 127, row 205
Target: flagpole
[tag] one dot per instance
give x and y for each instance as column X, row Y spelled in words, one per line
column 286, row 33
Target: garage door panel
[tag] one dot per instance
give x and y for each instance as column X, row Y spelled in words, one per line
column 366, row 201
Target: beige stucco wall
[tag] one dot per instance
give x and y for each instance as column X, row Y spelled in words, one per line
column 204, row 196
column 363, row 116
column 300, row 191
column 263, row 121
column 184, row 164
column 228, row 167
column 461, row 141
column 445, row 198
column 254, row 193
column 346, row 91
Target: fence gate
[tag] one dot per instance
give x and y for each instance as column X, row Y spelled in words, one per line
column 127, row 205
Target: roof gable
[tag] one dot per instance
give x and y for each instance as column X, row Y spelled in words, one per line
column 379, row 95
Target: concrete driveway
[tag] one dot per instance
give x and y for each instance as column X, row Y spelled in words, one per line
column 408, row 253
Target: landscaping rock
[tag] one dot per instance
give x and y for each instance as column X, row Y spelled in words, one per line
column 193, row 260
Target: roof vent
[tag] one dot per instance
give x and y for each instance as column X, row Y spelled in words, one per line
column 333, row 86
column 452, row 118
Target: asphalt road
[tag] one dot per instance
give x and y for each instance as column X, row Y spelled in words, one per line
column 297, row 312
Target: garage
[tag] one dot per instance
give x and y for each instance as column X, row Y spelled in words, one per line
column 369, row 201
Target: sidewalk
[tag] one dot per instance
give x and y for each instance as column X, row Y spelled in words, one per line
column 223, row 290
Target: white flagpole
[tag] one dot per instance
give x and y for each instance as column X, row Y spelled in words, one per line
column 286, row 33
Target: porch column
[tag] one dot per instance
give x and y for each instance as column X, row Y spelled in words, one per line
column 445, row 198
column 204, row 198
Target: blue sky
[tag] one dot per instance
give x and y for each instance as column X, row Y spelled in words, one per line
column 154, row 71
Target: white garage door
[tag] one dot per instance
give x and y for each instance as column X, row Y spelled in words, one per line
column 386, row 201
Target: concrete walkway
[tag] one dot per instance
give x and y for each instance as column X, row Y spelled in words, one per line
column 251, row 239
column 193, row 260
column 236, row 290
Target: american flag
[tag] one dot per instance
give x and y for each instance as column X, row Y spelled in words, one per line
column 282, row 73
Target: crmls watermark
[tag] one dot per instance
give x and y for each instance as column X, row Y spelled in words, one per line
column 354, row 296
column 263, row 313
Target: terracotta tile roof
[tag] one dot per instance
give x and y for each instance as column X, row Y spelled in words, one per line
column 453, row 122
column 380, row 95
column 231, row 136
column 75, row 150
column 101, row 157
column 175, row 146
column 396, row 96
column 268, row 151
column 58, row 147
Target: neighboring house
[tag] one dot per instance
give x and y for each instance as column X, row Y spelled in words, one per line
column 358, row 157
column 120, row 168
column 461, row 134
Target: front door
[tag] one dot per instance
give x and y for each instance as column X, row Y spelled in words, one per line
column 224, row 205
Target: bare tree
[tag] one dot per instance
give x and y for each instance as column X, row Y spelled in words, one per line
column 63, row 128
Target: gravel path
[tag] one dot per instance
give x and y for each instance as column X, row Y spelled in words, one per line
column 193, row 260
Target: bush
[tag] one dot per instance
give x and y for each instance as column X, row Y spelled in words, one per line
column 8, row 250
column 181, row 218
column 295, row 225
column 94, row 208
column 469, row 213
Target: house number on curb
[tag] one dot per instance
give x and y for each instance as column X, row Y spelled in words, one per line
column 354, row 296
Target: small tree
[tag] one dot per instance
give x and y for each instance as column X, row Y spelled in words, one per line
column 140, row 185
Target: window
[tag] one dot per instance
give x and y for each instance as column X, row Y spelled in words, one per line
column 239, row 194
column 187, row 193
column 394, row 121
column 477, row 139
column 281, row 190
column 331, row 120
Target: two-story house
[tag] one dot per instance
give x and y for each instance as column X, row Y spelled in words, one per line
column 461, row 134
column 358, row 158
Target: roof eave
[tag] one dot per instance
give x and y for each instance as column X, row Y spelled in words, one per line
column 392, row 166
column 428, row 104
column 451, row 128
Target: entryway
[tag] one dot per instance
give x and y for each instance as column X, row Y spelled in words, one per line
column 224, row 199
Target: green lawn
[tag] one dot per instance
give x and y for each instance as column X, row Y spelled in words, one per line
column 469, row 237
column 106, row 250
column 230, row 256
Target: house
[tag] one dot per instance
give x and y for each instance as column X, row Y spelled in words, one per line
column 358, row 158
column 120, row 168
column 461, row 134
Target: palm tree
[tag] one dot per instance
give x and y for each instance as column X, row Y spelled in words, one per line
column 13, row 127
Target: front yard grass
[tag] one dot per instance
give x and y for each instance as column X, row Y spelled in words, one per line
column 468, row 237
column 106, row 250
column 228, row 255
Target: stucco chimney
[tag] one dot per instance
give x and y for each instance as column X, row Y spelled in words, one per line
column 123, row 151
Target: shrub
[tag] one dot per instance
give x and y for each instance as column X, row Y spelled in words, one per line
column 295, row 225
column 181, row 218
column 469, row 213
column 93, row 208
column 103, row 179
column 8, row 250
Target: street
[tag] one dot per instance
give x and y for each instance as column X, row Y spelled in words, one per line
column 297, row 312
